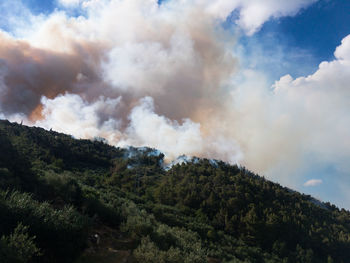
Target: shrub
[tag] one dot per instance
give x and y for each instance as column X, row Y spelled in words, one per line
column 18, row 247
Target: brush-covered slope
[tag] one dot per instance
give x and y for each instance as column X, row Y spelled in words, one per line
column 68, row 200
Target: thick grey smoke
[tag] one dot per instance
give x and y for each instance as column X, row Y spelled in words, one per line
column 159, row 66
column 31, row 73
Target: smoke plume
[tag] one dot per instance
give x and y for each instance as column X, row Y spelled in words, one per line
column 164, row 75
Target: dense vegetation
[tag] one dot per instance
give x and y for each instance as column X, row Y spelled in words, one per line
column 56, row 192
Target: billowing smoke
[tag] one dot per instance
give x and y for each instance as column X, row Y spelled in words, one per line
column 164, row 75
column 30, row 73
column 124, row 66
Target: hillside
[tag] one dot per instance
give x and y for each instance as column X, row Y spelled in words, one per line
column 69, row 200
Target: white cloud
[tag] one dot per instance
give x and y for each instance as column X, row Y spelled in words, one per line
column 254, row 13
column 17, row 18
column 313, row 182
column 343, row 51
column 320, row 105
column 70, row 3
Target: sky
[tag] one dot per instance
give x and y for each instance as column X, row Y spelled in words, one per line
column 261, row 84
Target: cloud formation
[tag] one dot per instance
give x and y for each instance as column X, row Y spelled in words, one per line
column 313, row 182
column 252, row 14
column 70, row 3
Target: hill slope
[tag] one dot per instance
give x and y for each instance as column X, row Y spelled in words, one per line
column 68, row 200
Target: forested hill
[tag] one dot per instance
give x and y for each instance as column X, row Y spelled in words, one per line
column 68, row 200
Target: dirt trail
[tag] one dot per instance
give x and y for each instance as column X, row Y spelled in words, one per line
column 107, row 245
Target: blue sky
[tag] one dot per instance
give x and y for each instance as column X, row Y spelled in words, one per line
column 305, row 40
column 318, row 28
column 311, row 123
column 37, row 6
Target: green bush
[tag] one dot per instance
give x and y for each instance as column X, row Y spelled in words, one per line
column 18, row 247
column 60, row 233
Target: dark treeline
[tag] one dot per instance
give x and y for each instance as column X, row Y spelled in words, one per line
column 55, row 191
